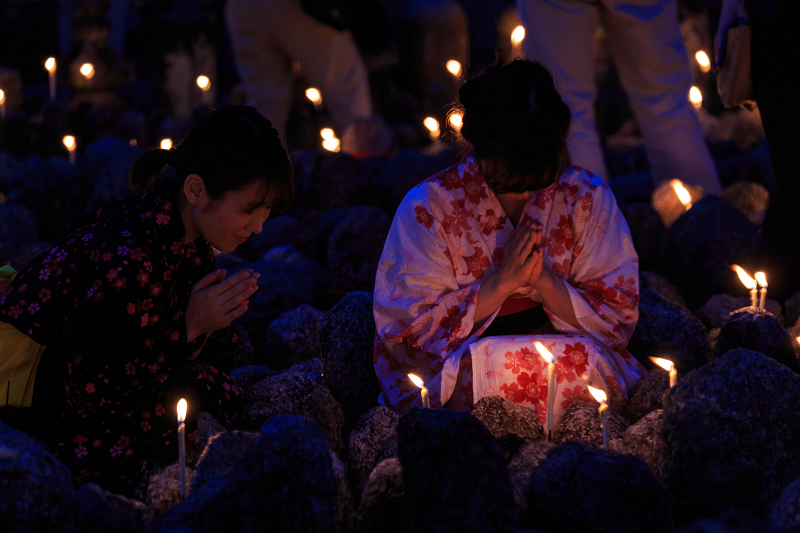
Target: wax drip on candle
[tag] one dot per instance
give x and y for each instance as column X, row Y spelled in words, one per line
column 551, row 384
column 426, row 403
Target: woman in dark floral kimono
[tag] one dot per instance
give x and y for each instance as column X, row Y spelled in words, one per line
column 125, row 303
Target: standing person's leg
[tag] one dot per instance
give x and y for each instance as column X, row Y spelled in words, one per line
column 264, row 69
column 330, row 59
column 560, row 35
column 646, row 45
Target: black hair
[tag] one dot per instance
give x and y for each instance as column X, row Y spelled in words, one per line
column 229, row 148
column 513, row 115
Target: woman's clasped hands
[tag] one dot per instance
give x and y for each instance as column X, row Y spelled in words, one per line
column 216, row 301
column 523, row 262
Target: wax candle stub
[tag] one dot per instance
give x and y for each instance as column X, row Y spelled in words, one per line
column 551, row 385
column 426, row 403
column 601, row 397
column 182, row 406
column 50, row 66
column 748, row 282
column 761, row 278
column 669, row 366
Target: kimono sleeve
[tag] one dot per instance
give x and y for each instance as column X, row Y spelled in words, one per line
column 603, row 281
column 417, row 300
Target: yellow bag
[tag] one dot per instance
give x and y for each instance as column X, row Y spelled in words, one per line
column 19, row 359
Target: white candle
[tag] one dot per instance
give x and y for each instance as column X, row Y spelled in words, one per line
column 669, row 366
column 205, row 86
column 601, row 397
column 761, row 278
column 551, row 385
column 50, row 65
column 748, row 282
column 426, row 403
column 517, row 37
column 70, row 145
column 182, row 444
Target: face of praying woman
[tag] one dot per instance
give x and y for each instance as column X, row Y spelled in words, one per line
column 227, row 221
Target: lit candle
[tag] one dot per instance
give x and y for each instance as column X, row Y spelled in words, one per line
column 748, row 282
column 332, row 145
column 205, row 85
column 703, row 61
column 454, row 68
column 456, row 120
column 761, row 278
column 683, row 194
column 551, row 384
column 2, row 103
column 50, row 65
column 433, row 126
column 517, row 37
column 87, row 69
column 70, row 145
column 696, row 97
column 166, row 144
column 315, row 97
column 182, row 444
column 600, row 396
column 669, row 366
column 327, row 133
column 426, row 403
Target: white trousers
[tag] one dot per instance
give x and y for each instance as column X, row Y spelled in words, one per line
column 646, row 46
column 266, row 35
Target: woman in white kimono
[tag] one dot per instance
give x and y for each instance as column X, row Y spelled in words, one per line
column 512, row 245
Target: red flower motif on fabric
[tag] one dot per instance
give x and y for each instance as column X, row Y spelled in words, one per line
column 561, row 269
column 572, row 395
column 492, row 222
column 423, row 217
column 90, row 388
column 452, row 322
column 44, row 294
column 510, row 391
column 575, row 358
column 449, row 179
column 586, row 201
column 518, row 361
column 475, row 189
column 163, row 219
column 476, row 263
column 457, row 219
column 532, row 388
column 570, row 193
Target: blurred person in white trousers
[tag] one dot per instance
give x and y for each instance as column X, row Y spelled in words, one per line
column 645, row 43
column 267, row 35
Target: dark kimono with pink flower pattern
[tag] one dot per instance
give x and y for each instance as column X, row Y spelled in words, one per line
column 108, row 303
column 447, row 237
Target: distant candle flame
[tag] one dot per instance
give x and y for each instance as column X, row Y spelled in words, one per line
column 432, row 124
column 544, row 352
column 683, row 194
column 203, row 82
column 748, row 282
column 454, row 67
column 332, row 145
column 703, row 61
column 326, row 133
column 182, row 406
column 517, row 35
column 313, row 95
column 87, row 69
column 599, row 395
column 69, row 142
column 166, row 144
column 761, row 278
column 134, row 142
column 2, row 96
column 666, row 364
column 696, row 97
column 417, row 381
column 50, row 64
column 456, row 120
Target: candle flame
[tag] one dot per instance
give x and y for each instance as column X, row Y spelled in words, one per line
column 69, row 142
column 683, row 194
column 703, row 61
column 87, row 69
column 431, row 123
column 326, row 133
column 517, row 35
column 50, row 64
column 203, row 82
column 166, row 144
column 181, row 410
column 332, row 144
column 748, row 282
column 666, row 364
column 456, row 119
column 599, row 395
column 134, row 142
column 695, row 97
column 544, row 352
column 454, row 67
column 417, row 381
column 313, row 95
column 761, row 278
column 2, row 96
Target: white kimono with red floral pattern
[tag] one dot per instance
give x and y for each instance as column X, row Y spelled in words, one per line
column 446, row 238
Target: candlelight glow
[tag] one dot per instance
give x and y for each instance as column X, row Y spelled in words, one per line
column 695, row 97
column 203, row 82
column 761, row 278
column 703, row 61
column 517, row 35
column 666, row 364
column 181, row 410
column 50, row 64
column 418, row 382
column 2, row 96
column 134, row 142
column 683, row 194
column 431, row 123
column 69, row 142
column 599, row 395
column 326, row 133
column 87, row 69
column 748, row 282
column 456, row 120
column 332, row 144
column 313, row 95
column 166, row 144
column 454, row 67
column 544, row 352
